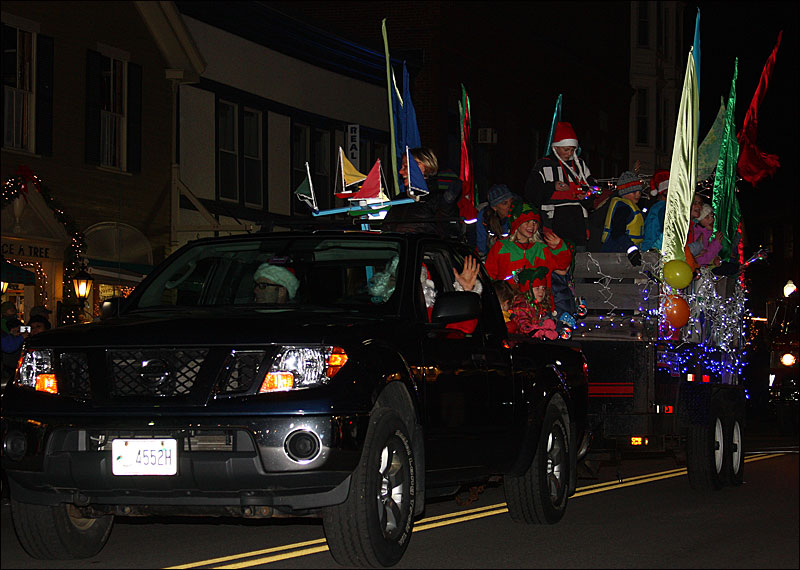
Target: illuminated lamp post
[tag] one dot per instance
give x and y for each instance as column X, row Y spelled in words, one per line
column 789, row 288
column 82, row 282
column 3, row 287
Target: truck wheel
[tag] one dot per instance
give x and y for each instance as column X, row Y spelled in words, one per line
column 734, row 451
column 705, row 453
column 539, row 496
column 373, row 526
column 60, row 532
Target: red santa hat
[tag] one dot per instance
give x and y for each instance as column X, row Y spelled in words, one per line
column 565, row 135
column 659, row 182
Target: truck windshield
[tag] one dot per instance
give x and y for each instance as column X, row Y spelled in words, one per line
column 316, row 273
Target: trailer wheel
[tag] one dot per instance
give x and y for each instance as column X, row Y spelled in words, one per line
column 59, row 532
column 705, row 453
column 734, row 451
column 539, row 496
column 373, row 526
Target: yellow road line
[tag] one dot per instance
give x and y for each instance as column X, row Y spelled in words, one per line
column 289, row 551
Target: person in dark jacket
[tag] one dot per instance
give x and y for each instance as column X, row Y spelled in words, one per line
column 557, row 185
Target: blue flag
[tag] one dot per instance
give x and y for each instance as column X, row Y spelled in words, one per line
column 406, row 131
column 696, row 52
column 416, row 181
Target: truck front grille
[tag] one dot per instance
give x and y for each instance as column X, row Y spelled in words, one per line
column 154, row 372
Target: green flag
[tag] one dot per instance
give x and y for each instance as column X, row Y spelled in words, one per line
column 392, row 143
column 683, row 170
column 305, row 192
column 726, row 205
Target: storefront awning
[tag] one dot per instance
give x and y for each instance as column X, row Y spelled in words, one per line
column 15, row 274
column 119, row 270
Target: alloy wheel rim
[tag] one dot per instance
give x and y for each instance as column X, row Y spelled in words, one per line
column 392, row 489
column 556, row 455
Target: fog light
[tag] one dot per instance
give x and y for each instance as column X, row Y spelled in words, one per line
column 15, row 445
column 302, row 446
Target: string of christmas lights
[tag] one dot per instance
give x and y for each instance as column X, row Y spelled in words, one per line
column 16, row 187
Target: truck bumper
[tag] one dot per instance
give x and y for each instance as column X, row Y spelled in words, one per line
column 221, row 462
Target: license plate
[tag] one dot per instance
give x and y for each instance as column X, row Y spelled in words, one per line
column 144, row 456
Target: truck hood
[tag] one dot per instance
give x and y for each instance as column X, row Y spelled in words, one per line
column 215, row 326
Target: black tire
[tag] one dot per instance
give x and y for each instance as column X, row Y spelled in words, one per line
column 539, row 496
column 358, row 533
column 705, row 453
column 733, row 472
column 59, row 532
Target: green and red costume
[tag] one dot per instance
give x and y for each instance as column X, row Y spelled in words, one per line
column 507, row 257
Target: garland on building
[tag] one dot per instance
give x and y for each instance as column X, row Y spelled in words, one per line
column 18, row 186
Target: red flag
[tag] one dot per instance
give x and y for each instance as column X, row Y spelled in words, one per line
column 755, row 165
column 371, row 188
column 466, row 204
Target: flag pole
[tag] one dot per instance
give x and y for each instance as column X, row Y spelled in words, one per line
column 393, row 144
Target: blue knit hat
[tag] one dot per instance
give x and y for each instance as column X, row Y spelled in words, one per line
column 499, row 193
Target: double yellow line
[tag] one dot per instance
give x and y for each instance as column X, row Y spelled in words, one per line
column 298, row 549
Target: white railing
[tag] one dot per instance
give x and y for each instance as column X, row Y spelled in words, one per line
column 111, row 130
column 16, row 117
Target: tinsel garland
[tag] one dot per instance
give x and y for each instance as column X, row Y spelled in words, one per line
column 15, row 187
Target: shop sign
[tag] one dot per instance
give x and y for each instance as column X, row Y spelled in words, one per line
column 353, row 144
column 39, row 251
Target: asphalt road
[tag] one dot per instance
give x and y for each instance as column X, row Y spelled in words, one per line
column 652, row 519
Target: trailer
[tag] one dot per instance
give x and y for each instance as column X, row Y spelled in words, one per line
column 654, row 389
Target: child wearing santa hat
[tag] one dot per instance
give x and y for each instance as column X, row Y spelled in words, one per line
column 556, row 185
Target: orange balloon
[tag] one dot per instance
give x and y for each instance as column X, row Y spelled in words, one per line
column 677, row 310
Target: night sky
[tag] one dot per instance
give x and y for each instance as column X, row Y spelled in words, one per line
column 749, row 30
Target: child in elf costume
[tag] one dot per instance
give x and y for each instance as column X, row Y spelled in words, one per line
column 532, row 309
column 525, row 248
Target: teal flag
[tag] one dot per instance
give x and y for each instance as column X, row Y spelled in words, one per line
column 683, row 170
column 556, row 119
column 726, row 205
column 696, row 49
column 708, row 151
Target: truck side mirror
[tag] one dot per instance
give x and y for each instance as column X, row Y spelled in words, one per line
column 111, row 307
column 455, row 306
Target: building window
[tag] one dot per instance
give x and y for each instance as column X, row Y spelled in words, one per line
column 642, row 126
column 227, row 137
column 18, row 86
column 253, row 161
column 112, row 113
column 113, row 110
column 643, row 28
column 659, row 123
column 312, row 145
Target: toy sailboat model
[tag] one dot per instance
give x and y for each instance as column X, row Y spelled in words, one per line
column 347, row 177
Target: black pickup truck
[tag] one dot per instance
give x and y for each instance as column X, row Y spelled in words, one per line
column 372, row 385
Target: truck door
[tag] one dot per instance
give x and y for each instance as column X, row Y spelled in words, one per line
column 458, row 407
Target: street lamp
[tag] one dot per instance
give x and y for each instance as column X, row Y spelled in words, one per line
column 3, row 287
column 82, row 282
column 789, row 288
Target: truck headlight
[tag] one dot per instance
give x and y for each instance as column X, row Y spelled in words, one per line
column 788, row 359
column 36, row 371
column 296, row 367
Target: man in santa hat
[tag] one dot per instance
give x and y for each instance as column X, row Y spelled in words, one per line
column 556, row 186
column 654, row 222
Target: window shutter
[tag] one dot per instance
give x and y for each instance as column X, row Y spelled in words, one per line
column 94, row 93
column 44, row 95
column 134, row 115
